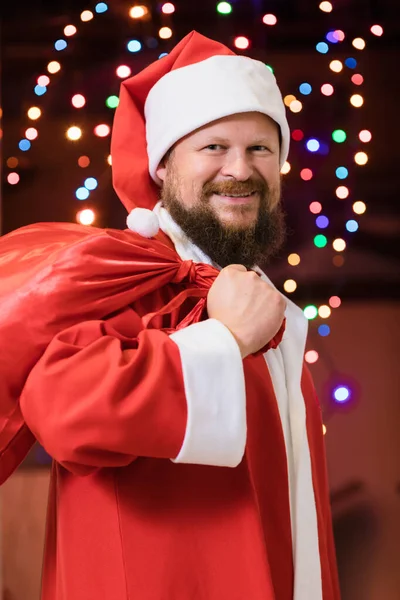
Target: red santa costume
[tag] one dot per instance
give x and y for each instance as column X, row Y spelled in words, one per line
column 181, row 471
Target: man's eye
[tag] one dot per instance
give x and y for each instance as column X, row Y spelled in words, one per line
column 214, row 147
column 260, row 148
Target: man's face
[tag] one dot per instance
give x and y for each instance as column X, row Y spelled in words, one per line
column 221, row 184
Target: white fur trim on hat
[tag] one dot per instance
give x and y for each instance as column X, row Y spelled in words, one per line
column 188, row 98
column 143, row 221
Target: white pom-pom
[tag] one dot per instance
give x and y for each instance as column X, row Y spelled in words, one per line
column 144, row 222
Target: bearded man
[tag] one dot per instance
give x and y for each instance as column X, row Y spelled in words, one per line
column 159, row 366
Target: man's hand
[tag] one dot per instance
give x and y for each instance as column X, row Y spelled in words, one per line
column 251, row 309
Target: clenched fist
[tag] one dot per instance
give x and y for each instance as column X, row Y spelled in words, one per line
column 251, row 309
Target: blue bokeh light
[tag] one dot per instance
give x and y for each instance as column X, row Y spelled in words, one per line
column 134, row 46
column 352, row 225
column 322, row 222
column 40, row 90
column 313, row 145
column 305, row 89
column 90, row 183
column 101, row 7
column 351, row 63
column 163, row 54
column 324, row 330
column 341, row 172
column 60, row 45
column 24, row 145
column 82, row 193
column 341, row 393
column 322, row 47
column 332, row 37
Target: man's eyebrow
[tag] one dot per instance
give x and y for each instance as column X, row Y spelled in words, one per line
column 264, row 141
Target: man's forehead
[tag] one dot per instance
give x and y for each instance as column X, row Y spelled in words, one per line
column 251, row 123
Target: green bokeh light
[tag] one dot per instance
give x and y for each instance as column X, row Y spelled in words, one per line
column 320, row 241
column 224, row 8
column 339, row 136
column 310, row 311
column 112, row 101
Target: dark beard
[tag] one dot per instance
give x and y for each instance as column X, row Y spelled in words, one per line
column 226, row 245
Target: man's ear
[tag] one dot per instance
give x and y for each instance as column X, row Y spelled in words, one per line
column 161, row 170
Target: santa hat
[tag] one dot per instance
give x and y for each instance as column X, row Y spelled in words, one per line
column 198, row 82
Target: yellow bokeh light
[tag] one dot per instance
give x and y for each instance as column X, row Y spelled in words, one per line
column 138, row 12
column 293, row 260
column 365, row 136
column 74, row 133
column 87, row 15
column 361, row 158
column 359, row 207
column 324, row 311
column 109, row 159
column 86, row 216
column 165, row 33
column 289, row 99
column 342, row 192
column 358, row 43
column 324, row 429
column 336, row 66
column 357, row 100
column 34, row 113
column 339, row 245
column 290, row 286
column 326, row 7
column 286, row 168
column 70, row 30
column 53, row 67
column 296, row 106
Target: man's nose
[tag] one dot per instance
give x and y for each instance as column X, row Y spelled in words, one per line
column 238, row 166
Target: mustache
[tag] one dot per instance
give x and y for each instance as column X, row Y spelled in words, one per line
column 234, row 187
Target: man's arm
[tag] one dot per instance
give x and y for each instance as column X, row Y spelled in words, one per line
column 97, row 398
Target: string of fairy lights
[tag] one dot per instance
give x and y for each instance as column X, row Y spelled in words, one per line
column 337, row 71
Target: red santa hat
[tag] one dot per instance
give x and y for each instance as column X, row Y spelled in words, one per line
column 198, row 82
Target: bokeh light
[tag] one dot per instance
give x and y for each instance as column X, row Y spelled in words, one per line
column 109, row 159
column 313, row 145
column 90, row 183
column 310, row 312
column 70, row 30
column 74, row 133
column 342, row 192
column 324, row 330
column 365, row 136
column 40, row 90
column 361, row 158
column 53, row 67
column 339, row 136
column 138, row 12
column 359, row 207
column 315, row 208
column 82, row 193
column 306, row 174
column 336, row 66
column 358, row 43
column 168, row 8
column 86, row 15
column 341, row 394
column 342, row 173
column 377, row 30
column 78, row 101
column 305, row 89
column 322, row 222
column 297, row 135
column 290, row 286
column 123, row 71
column 60, row 45
column 112, row 101
column 241, row 42
column 320, row 241
column 324, row 311
column 338, row 260
column 293, row 259
column 165, row 33
column 24, row 145
column 351, row 63
column 327, row 89
column 334, row 302
column 31, row 133
column 285, row 168
column 322, row 47
column 101, row 7
column 224, row 8
column 351, row 225
column 83, row 161
column 102, row 130
column 13, row 178
column 295, row 106
column 270, row 19
column 356, row 100
column 326, row 7
column 12, row 162
column 34, row 113
column 311, row 357
column 134, row 46
column 357, row 79
column 86, row 216
column 339, row 245
column 289, row 99
column 43, row 80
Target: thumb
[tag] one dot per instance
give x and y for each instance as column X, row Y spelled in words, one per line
column 237, row 268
